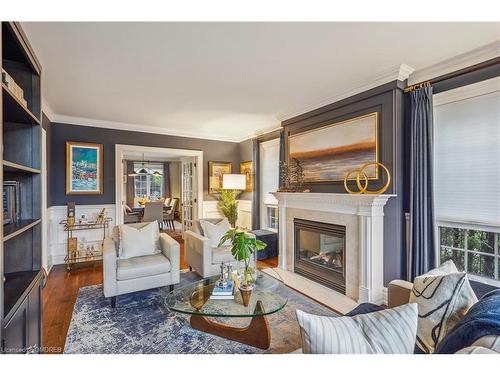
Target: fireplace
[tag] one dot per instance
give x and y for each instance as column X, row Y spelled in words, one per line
column 320, row 252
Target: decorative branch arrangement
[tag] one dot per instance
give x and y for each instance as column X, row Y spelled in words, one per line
column 292, row 176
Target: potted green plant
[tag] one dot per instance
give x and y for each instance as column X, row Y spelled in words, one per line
column 244, row 245
column 229, row 205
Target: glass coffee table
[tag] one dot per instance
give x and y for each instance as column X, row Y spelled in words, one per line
column 268, row 296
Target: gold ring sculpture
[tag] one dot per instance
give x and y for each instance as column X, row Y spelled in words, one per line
column 360, row 174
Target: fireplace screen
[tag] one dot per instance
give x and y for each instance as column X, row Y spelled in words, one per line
column 320, row 252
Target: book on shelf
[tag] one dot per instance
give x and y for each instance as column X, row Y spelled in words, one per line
column 13, row 87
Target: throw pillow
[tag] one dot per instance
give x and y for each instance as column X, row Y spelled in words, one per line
column 443, row 299
column 136, row 242
column 444, row 269
column 214, row 232
column 390, row 331
column 117, row 237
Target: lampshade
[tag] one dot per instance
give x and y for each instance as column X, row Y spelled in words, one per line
column 234, row 181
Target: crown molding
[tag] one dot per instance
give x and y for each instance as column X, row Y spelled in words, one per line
column 262, row 132
column 47, row 110
column 400, row 73
column 82, row 121
column 476, row 56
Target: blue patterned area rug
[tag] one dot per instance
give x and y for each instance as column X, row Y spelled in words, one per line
column 141, row 323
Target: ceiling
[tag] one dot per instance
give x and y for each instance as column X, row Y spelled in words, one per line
column 226, row 81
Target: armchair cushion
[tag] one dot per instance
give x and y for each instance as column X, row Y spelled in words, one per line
column 214, row 232
column 149, row 265
column 136, row 242
column 222, row 254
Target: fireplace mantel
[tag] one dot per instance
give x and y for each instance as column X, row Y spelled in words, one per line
column 354, row 204
column 370, row 236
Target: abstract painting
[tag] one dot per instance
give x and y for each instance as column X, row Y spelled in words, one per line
column 330, row 152
column 246, row 168
column 215, row 171
column 83, row 168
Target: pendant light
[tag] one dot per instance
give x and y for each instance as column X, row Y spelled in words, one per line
column 141, row 171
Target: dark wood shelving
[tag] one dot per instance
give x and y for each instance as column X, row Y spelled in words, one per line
column 14, row 229
column 15, row 287
column 21, row 242
column 15, row 111
column 9, row 166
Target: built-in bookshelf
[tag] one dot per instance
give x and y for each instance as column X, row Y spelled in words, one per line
column 21, row 230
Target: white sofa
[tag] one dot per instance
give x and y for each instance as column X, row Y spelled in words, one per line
column 121, row 276
column 201, row 256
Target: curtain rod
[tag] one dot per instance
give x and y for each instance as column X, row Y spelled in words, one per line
column 457, row 73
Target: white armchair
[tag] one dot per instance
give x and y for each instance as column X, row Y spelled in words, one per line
column 201, row 256
column 121, row 276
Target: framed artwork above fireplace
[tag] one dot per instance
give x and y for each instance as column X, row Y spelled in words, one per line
column 328, row 153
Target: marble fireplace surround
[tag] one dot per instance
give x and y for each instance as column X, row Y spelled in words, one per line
column 363, row 217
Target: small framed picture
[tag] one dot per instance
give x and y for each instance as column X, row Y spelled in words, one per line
column 83, row 168
column 246, row 168
column 215, row 171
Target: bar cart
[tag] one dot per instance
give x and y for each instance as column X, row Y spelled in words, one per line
column 81, row 255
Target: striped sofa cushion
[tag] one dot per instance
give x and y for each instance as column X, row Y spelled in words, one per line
column 391, row 331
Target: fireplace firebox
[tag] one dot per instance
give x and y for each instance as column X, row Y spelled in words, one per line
column 320, row 252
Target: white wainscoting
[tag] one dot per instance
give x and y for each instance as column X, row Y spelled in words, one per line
column 245, row 214
column 211, row 211
column 57, row 237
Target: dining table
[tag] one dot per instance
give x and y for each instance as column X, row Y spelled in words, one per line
column 140, row 209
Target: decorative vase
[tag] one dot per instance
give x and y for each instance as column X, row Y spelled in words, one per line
column 246, row 293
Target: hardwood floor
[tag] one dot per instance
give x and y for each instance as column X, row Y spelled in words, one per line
column 267, row 263
column 61, row 290
column 59, row 296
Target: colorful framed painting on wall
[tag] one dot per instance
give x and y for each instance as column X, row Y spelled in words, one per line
column 83, row 168
column 328, row 153
column 246, row 168
column 215, row 171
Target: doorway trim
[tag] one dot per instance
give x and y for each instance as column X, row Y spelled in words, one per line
column 120, row 149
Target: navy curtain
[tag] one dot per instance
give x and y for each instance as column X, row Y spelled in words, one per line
column 282, row 155
column 422, row 250
column 256, row 185
column 130, row 183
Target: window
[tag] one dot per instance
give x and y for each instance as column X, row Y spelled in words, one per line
column 141, row 186
column 272, row 218
column 473, row 251
column 149, row 186
column 467, row 177
column 269, row 180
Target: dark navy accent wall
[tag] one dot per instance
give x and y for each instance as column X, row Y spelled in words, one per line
column 388, row 101
column 60, row 133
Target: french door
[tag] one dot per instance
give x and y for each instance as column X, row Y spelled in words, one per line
column 189, row 197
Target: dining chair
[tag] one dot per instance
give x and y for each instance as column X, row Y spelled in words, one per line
column 153, row 211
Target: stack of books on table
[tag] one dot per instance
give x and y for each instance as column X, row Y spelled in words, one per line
column 226, row 292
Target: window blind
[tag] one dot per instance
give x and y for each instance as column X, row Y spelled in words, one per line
column 269, row 165
column 467, row 158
